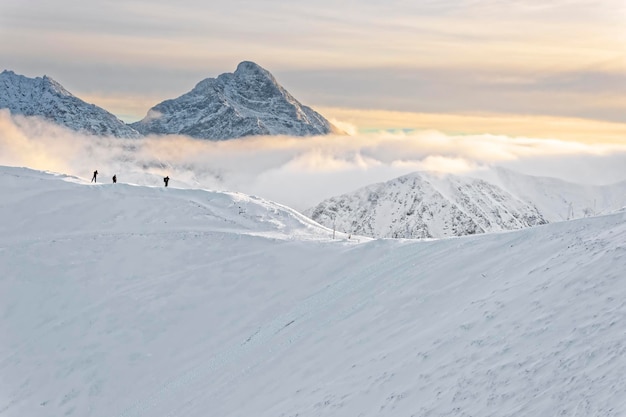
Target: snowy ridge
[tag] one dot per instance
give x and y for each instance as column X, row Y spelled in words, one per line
column 559, row 200
column 181, row 210
column 426, row 205
column 423, row 205
column 247, row 102
column 44, row 97
column 134, row 301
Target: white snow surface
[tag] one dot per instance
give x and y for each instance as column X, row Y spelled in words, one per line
column 247, row 102
column 127, row 301
column 559, row 200
column 435, row 205
column 44, row 97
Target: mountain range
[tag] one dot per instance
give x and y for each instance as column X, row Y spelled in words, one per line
column 431, row 205
column 245, row 103
column 251, row 102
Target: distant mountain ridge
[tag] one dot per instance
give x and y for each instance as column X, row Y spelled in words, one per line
column 244, row 103
column 44, row 97
column 430, row 205
column 426, row 205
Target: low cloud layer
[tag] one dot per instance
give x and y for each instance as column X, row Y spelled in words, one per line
column 298, row 172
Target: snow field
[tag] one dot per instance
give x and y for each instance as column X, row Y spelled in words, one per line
column 136, row 301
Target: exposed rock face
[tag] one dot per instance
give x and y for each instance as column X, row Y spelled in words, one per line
column 44, row 97
column 245, row 103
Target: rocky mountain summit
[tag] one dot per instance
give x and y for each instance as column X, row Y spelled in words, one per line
column 244, row 103
column 247, row 102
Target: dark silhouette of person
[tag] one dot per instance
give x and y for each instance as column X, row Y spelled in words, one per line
column 166, row 180
column 114, row 179
column 95, row 174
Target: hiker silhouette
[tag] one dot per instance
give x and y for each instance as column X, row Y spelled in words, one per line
column 114, row 179
column 166, row 180
column 95, row 174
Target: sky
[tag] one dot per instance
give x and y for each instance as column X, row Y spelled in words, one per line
column 551, row 69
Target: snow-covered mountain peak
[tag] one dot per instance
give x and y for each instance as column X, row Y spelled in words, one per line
column 45, row 97
column 7, row 74
column 44, row 83
column 10, row 78
column 255, row 80
column 55, row 86
column 247, row 68
column 426, row 204
column 246, row 102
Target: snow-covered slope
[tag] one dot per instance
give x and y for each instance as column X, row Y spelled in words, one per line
column 423, row 205
column 128, row 209
column 124, row 301
column 46, row 98
column 247, row 102
column 559, row 200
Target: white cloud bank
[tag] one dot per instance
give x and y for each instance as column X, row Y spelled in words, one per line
column 298, row 172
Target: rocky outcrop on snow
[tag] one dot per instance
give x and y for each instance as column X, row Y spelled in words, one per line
column 244, row 103
column 426, row 205
column 44, row 97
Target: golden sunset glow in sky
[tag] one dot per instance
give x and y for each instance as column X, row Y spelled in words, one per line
column 530, row 68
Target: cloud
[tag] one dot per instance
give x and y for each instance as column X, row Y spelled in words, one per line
column 298, row 172
column 561, row 128
column 344, row 126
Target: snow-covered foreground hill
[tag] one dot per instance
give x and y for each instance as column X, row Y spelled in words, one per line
column 136, row 301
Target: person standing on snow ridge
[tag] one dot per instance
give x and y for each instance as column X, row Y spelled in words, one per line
column 95, row 174
column 166, row 180
column 114, row 179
